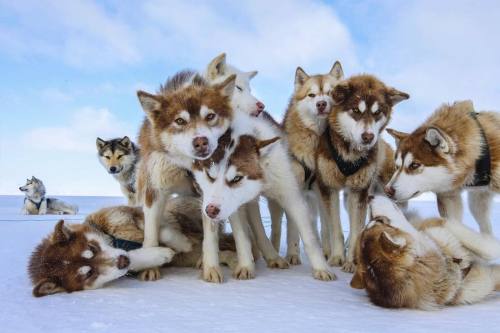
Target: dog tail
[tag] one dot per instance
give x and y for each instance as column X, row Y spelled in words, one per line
column 485, row 246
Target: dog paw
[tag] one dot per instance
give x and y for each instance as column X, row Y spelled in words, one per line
column 244, row 273
column 293, row 259
column 165, row 255
column 324, row 275
column 213, row 274
column 348, row 267
column 150, row 274
column 336, row 261
column 278, row 262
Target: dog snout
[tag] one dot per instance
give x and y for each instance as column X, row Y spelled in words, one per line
column 113, row 169
column 321, row 106
column 367, row 137
column 390, row 191
column 200, row 145
column 212, row 210
column 122, row 262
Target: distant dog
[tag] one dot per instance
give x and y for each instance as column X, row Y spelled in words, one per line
column 352, row 157
column 423, row 265
column 120, row 157
column 35, row 202
column 108, row 245
column 456, row 148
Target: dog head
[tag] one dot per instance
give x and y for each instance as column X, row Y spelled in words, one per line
column 189, row 118
column 33, row 187
column 312, row 95
column 232, row 176
column 116, row 154
column 362, row 108
column 425, row 159
column 242, row 99
column 74, row 258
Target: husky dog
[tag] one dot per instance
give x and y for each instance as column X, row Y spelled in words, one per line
column 305, row 121
column 455, row 148
column 244, row 166
column 423, row 265
column 120, row 156
column 108, row 245
column 35, row 202
column 351, row 156
column 184, row 121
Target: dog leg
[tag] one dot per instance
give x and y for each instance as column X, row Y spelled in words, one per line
column 175, row 239
column 450, row 205
column 480, row 207
column 357, row 204
column 276, row 216
column 246, row 266
column 292, row 242
column 272, row 257
column 211, row 269
column 479, row 283
column 149, row 257
column 43, row 208
column 330, row 206
column 483, row 245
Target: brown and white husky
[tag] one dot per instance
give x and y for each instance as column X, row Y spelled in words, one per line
column 108, row 245
column 424, row 264
column 351, row 156
column 456, row 148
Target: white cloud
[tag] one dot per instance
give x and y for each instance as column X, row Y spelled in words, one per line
column 80, row 133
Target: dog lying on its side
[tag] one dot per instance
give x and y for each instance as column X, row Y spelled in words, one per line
column 109, row 244
column 425, row 264
column 35, row 202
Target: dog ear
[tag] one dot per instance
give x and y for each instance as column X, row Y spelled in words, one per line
column 216, row 67
column 125, row 141
column 438, row 140
column 227, row 86
column 397, row 135
column 100, row 143
column 263, row 143
column 341, row 92
column 300, row 77
column 252, row 74
column 396, row 96
column 61, row 233
column 46, row 287
column 150, row 103
column 391, row 244
column 337, row 71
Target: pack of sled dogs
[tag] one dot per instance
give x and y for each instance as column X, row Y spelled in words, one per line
column 208, row 151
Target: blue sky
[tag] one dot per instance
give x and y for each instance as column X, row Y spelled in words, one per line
column 70, row 69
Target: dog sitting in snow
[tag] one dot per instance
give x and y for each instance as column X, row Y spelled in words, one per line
column 109, row 244
column 425, row 264
column 35, row 202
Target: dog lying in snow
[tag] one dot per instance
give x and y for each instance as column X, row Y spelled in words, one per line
column 426, row 264
column 35, row 202
column 109, row 244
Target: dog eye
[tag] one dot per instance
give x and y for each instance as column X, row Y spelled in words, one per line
column 312, row 95
column 210, row 116
column 414, row 166
column 212, row 179
column 108, row 157
column 93, row 248
column 180, row 122
column 89, row 273
column 236, row 179
column 239, row 88
column 119, row 156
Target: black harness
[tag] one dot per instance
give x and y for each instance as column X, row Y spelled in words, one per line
column 482, row 175
column 348, row 168
column 37, row 204
column 124, row 244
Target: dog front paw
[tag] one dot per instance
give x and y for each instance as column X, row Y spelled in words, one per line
column 293, row 259
column 244, row 273
column 278, row 262
column 213, row 274
column 337, row 260
column 165, row 255
column 348, row 267
column 324, row 275
column 150, row 274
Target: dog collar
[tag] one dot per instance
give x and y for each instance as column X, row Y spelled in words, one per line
column 348, row 168
column 37, row 204
column 482, row 174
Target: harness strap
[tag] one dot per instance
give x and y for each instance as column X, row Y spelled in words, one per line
column 482, row 175
column 37, row 204
column 348, row 168
column 124, row 244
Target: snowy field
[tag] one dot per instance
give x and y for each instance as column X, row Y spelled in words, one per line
column 276, row 301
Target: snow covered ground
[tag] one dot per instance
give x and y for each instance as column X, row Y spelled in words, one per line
column 276, row 301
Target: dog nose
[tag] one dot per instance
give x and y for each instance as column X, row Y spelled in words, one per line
column 212, row 210
column 321, row 106
column 200, row 144
column 122, row 262
column 260, row 106
column 112, row 169
column 367, row 137
column 390, row 191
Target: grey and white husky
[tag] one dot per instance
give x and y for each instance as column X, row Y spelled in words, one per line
column 119, row 157
column 35, row 202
